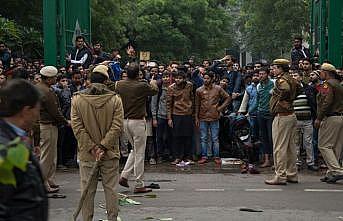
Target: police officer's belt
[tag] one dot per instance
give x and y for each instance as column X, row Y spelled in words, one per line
column 334, row 114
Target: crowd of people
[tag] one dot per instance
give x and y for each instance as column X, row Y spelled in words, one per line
column 175, row 113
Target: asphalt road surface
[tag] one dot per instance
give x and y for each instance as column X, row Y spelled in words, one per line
column 203, row 193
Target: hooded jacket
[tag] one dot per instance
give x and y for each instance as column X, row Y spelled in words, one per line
column 97, row 119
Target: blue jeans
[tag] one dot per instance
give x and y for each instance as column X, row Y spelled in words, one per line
column 254, row 127
column 214, row 128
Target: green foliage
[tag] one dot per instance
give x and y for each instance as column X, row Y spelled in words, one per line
column 13, row 155
column 9, row 30
column 268, row 26
column 169, row 29
column 25, row 40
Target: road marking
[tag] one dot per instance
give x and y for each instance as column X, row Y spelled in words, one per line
column 164, row 190
column 323, row 190
column 263, row 190
column 209, row 190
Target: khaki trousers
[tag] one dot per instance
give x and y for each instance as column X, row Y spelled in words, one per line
column 48, row 157
column 285, row 154
column 109, row 171
column 135, row 131
column 330, row 143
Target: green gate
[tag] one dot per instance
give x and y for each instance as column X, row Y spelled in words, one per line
column 327, row 30
column 63, row 20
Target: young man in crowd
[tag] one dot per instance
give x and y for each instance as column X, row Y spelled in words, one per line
column 305, row 111
column 306, row 70
column 264, row 117
column 160, row 120
column 76, row 81
column 180, row 111
column 80, row 54
column 299, row 51
column 207, row 114
column 249, row 105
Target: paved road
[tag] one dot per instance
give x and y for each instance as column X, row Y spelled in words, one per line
column 203, row 194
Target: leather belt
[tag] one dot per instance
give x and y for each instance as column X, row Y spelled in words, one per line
column 284, row 114
column 334, row 114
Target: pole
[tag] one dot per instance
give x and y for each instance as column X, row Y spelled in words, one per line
column 49, row 29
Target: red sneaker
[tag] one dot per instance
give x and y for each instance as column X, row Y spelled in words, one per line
column 217, row 160
column 202, row 160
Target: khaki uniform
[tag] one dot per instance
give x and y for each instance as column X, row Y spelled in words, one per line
column 134, row 95
column 330, row 112
column 97, row 119
column 50, row 118
column 284, row 127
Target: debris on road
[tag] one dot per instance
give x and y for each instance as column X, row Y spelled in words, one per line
column 250, row 210
column 160, row 219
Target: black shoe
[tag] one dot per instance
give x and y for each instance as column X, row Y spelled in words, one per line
column 324, row 179
column 334, row 178
column 123, row 182
column 313, row 168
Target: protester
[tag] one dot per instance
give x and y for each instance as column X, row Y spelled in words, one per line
column 299, row 52
column 207, row 114
column 180, row 112
column 160, row 120
column 80, row 54
column 264, row 117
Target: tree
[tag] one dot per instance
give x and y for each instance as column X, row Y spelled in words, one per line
column 169, row 29
column 269, row 25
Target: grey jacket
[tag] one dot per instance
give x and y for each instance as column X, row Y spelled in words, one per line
column 159, row 104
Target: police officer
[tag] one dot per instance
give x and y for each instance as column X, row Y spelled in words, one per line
column 284, row 125
column 330, row 122
column 50, row 118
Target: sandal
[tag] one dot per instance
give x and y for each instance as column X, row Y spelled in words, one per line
column 52, row 190
column 153, row 186
column 57, row 196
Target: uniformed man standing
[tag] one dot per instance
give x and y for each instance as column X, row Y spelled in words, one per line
column 284, row 125
column 330, row 122
column 97, row 120
column 50, row 118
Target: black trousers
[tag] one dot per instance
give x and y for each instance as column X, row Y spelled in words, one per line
column 163, row 138
column 182, row 147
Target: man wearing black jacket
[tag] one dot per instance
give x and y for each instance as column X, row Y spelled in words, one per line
column 80, row 54
column 299, row 51
column 19, row 109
